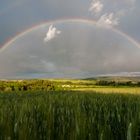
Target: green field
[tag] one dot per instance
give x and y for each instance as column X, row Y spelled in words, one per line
column 68, row 110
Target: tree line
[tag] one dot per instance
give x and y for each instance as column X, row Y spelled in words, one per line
column 28, row 85
column 117, row 83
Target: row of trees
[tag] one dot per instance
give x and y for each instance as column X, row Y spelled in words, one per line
column 117, row 83
column 28, row 85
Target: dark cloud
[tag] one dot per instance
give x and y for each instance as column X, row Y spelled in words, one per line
column 80, row 50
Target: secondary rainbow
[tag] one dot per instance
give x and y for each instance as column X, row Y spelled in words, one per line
column 86, row 21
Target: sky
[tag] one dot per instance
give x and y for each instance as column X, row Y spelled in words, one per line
column 71, row 48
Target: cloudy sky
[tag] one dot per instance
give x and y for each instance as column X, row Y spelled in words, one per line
column 70, row 47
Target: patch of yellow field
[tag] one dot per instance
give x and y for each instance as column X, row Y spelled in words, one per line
column 129, row 90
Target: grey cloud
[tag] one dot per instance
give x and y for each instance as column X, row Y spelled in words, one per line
column 82, row 50
column 49, row 66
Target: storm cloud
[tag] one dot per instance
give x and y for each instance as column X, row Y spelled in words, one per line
column 71, row 49
column 83, row 50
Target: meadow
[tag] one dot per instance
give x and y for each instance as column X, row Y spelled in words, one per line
column 72, row 112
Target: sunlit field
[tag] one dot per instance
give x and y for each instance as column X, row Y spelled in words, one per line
column 68, row 110
column 90, row 85
column 112, row 90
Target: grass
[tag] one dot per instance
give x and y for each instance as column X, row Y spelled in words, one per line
column 81, row 110
column 69, row 115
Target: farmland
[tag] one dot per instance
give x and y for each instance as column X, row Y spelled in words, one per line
column 69, row 110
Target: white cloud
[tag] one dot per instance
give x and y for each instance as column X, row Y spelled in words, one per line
column 96, row 6
column 51, row 34
column 110, row 16
column 108, row 20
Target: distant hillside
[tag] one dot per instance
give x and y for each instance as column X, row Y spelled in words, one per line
column 116, row 78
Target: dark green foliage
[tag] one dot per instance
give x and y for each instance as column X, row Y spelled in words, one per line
column 117, row 83
column 69, row 116
column 28, row 85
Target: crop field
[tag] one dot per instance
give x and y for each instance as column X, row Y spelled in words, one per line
column 111, row 90
column 69, row 115
column 69, row 110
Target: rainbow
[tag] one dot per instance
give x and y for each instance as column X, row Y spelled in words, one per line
column 85, row 21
